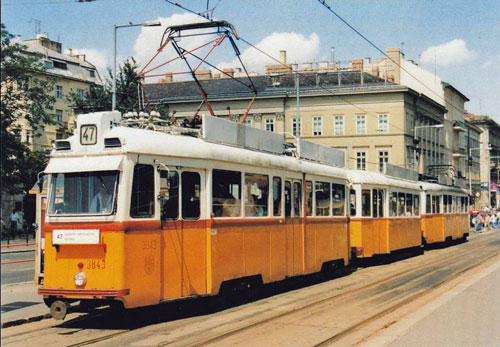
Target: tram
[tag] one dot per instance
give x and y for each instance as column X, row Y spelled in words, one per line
column 445, row 216
column 140, row 212
column 141, row 216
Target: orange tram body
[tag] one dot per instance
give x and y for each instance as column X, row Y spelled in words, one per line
column 140, row 216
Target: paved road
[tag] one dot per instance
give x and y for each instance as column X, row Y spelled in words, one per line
column 20, row 272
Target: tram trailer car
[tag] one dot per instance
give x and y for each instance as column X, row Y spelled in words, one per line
column 445, row 216
column 140, row 216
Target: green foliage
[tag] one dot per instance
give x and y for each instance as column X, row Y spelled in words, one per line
column 98, row 98
column 24, row 95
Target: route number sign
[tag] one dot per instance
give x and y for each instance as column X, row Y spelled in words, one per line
column 88, row 135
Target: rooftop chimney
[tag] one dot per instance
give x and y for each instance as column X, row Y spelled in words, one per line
column 283, row 57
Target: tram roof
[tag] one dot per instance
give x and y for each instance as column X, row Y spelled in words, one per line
column 434, row 187
column 376, row 178
column 155, row 143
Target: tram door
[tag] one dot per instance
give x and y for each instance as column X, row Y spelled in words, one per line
column 293, row 222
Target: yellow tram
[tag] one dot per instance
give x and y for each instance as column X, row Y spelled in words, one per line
column 445, row 216
column 139, row 216
column 385, row 214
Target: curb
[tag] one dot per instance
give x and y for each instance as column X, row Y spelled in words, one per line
column 18, row 251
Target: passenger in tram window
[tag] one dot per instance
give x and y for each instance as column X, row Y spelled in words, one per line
column 276, row 196
column 288, row 199
column 102, row 201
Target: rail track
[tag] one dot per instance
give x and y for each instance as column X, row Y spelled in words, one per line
column 358, row 299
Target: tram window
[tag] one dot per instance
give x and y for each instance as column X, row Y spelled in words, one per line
column 288, row 199
column 394, row 205
column 438, row 203
column 352, row 202
column 428, row 208
column 401, row 204
column 322, row 196
column 365, row 203
column 297, row 199
column 338, row 199
column 380, row 203
column 276, row 196
column 226, row 193
column 416, row 205
column 454, row 204
column 257, row 195
column 309, row 198
column 409, row 205
column 142, row 204
column 83, row 193
column 191, row 189
column 169, row 193
column 374, row 203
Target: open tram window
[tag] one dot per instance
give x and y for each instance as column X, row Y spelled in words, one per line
column 191, row 190
column 393, row 208
column 366, row 203
column 257, row 195
column 380, row 203
column 309, row 198
column 352, row 202
column 226, row 193
column 142, row 203
column 409, row 205
column 401, row 204
column 428, row 206
column 169, row 194
column 416, row 205
column 322, row 196
column 297, row 198
column 276, row 196
column 338, row 199
column 83, row 193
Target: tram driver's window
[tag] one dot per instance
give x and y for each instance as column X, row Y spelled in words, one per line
column 257, row 195
column 142, row 203
column 190, row 195
column 169, row 194
column 226, row 193
column 276, row 196
column 366, row 203
column 338, row 199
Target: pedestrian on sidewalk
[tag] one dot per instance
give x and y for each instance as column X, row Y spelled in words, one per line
column 14, row 221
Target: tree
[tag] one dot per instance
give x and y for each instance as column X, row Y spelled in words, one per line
column 98, row 98
column 26, row 95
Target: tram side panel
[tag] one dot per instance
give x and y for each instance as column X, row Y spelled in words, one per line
column 433, row 228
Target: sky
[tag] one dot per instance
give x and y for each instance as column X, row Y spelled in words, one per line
column 458, row 40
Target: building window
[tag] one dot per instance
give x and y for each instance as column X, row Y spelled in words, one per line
column 91, row 73
column 296, row 126
column 383, row 123
column 339, row 125
column 29, row 137
column 270, row 124
column 80, row 93
column 317, row 126
column 60, row 65
column 383, row 158
column 360, row 124
column 59, row 115
column 59, row 92
column 361, row 160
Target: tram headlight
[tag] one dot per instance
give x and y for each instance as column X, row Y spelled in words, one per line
column 80, row 279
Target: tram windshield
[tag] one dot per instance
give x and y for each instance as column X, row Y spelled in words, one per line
column 83, row 193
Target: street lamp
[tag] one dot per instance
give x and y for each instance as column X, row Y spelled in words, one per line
column 415, row 128
column 116, row 27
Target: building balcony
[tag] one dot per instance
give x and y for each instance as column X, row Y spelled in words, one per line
column 459, row 126
column 458, row 152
